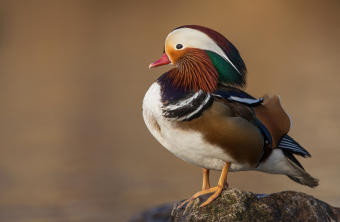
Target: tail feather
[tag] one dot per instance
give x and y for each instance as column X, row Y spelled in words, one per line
column 301, row 176
column 295, row 179
column 292, row 158
column 282, row 161
column 289, row 144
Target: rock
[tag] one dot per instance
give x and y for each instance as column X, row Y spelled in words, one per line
column 155, row 214
column 238, row 205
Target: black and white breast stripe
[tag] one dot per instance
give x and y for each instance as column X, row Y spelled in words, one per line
column 287, row 143
column 188, row 108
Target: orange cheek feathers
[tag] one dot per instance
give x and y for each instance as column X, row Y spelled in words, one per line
column 174, row 55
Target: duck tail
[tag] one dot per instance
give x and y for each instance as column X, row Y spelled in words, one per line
column 289, row 147
column 300, row 175
column 288, row 144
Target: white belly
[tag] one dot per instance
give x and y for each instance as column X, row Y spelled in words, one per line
column 187, row 145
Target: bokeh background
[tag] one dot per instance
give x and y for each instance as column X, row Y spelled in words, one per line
column 73, row 74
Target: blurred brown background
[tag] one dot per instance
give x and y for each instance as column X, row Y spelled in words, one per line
column 73, row 74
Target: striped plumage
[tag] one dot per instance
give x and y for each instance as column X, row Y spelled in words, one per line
column 199, row 112
column 287, row 143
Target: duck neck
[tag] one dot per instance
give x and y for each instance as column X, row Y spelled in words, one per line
column 194, row 71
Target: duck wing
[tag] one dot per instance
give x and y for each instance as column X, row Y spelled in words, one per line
column 270, row 116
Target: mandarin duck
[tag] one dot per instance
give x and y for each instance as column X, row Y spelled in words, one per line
column 199, row 112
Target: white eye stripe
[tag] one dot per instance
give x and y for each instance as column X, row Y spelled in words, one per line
column 195, row 39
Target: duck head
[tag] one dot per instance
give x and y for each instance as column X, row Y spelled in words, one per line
column 202, row 58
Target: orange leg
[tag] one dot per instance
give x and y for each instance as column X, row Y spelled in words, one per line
column 216, row 190
column 206, row 184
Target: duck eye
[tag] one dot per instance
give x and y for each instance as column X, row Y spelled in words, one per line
column 179, row 46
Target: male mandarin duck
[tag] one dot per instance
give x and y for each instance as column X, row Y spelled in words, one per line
column 198, row 111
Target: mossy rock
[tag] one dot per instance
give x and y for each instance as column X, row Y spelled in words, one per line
column 238, row 205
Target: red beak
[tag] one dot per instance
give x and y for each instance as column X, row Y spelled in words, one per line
column 162, row 61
